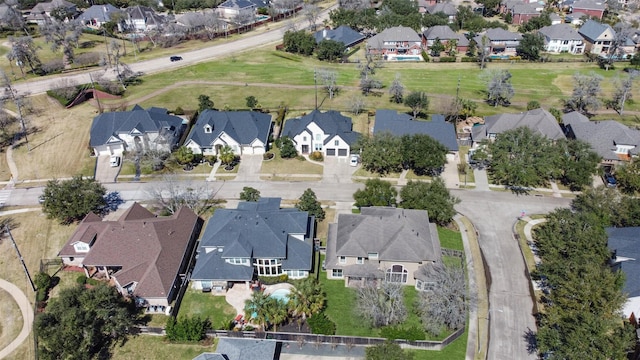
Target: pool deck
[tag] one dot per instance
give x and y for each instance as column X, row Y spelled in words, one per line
column 237, row 295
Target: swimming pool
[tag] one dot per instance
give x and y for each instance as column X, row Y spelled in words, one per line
column 408, row 58
column 261, row 18
column 281, row 294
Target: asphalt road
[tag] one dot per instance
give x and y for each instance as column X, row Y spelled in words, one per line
column 494, row 213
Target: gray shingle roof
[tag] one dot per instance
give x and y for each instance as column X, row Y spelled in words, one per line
column 395, row 234
column 403, row 124
column 101, row 13
column 444, row 7
column 626, row 244
column 443, row 32
column 498, row 34
column 602, row 135
column 259, row 231
column 331, row 122
column 243, row 4
column 398, row 33
column 242, row 126
column 343, row 34
column 110, row 124
column 242, row 349
column 589, row 5
column 538, row 120
column 591, row 30
column 560, row 32
column 524, row 9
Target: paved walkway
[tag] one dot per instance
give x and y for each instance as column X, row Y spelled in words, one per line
column 450, row 174
column 27, row 316
column 214, row 170
column 481, row 180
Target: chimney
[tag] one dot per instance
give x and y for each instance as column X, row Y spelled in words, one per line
column 324, row 33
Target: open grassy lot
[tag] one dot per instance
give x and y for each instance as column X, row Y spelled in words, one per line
column 205, row 305
column 156, row 348
column 60, row 144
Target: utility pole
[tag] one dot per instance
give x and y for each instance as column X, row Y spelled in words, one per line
column 96, row 96
column 315, row 82
column 24, row 266
column 12, row 93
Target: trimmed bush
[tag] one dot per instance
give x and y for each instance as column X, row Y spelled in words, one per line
column 81, row 280
column 395, row 332
column 448, row 59
column 469, row 59
column 270, row 280
column 268, row 156
column 321, row 324
column 316, row 156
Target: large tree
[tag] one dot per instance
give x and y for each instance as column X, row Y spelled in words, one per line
column 628, row 177
column 417, row 101
column 423, row 154
column 65, row 35
column 530, row 46
column 24, row 52
column 376, row 192
column 433, row 197
column 586, row 89
column 499, row 88
column 622, row 93
column 306, row 299
column 171, row 194
column 250, row 194
column 381, row 153
column 299, row 42
column 70, row 200
column 381, row 303
column 309, row 202
column 84, row 323
column 396, row 90
column 330, row 50
column 577, row 162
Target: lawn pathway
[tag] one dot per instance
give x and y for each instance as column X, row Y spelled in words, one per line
column 27, row 316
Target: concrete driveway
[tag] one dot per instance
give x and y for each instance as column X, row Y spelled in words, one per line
column 450, row 174
column 249, row 169
column 337, row 170
column 104, row 172
column 510, row 305
column 481, row 179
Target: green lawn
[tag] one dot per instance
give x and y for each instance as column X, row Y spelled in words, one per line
column 341, row 304
column 144, row 347
column 278, row 166
column 454, row 351
column 450, row 239
column 205, row 305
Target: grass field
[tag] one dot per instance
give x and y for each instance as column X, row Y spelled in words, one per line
column 278, row 165
column 156, row 348
column 450, row 239
column 205, row 305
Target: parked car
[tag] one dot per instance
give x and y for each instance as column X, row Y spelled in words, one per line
column 114, row 161
column 610, row 180
column 355, row 159
column 175, row 58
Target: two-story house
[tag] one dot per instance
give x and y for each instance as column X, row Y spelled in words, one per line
column 256, row 239
column 592, row 8
column 41, row 12
column 540, row 121
column 396, row 42
column 142, row 18
column 598, row 37
column 382, row 243
column 329, row 132
column 562, row 38
column 499, row 41
column 446, row 36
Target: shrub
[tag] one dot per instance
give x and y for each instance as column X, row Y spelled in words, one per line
column 469, row 59
column 271, row 280
column 81, row 280
column 41, row 295
column 316, row 156
column 287, row 149
column 301, row 158
column 187, row 328
column 178, row 111
column 321, row 324
column 448, row 59
column 268, row 156
column 53, row 66
column 395, row 332
column 43, row 281
column 87, row 59
column 425, row 56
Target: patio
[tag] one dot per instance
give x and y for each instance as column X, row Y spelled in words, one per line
column 237, row 295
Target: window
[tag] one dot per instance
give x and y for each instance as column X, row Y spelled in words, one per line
column 318, row 137
column 425, row 285
column 372, row 256
column 397, row 273
column 336, row 143
column 238, row 261
column 304, row 138
column 336, row 273
column 317, row 146
column 81, row 247
column 343, row 259
column 269, row 267
column 360, row 260
column 207, row 129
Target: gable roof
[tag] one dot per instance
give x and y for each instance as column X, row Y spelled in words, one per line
column 442, row 32
column 52, row 5
column 592, row 30
column 242, row 349
column 331, row 122
column 261, row 231
column 243, row 4
column 147, row 249
column 443, row 7
column 101, row 13
column 398, row 33
column 497, row 34
column 242, row 126
column 603, row 136
column 589, row 5
column 625, row 243
column 403, row 124
column 112, row 124
column 343, row 34
column 539, row 121
column 560, row 32
column 524, row 9
column 145, row 13
column 395, row 234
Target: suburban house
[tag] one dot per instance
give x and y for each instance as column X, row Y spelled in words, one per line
column 382, row 243
column 41, row 12
column 342, row 34
column 446, row 35
column 540, row 121
column 328, row 132
column 499, row 41
column 424, row 4
column 135, row 130
column 590, row 7
column 243, row 349
column 97, row 15
column 256, row 239
column 400, row 124
column 396, row 42
column 142, row 18
column 598, row 37
column 555, row 19
column 614, row 142
column 562, row 38
column 446, row 8
column 576, row 18
column 522, row 13
column 624, row 245
column 233, row 8
column 144, row 256
column 246, row 132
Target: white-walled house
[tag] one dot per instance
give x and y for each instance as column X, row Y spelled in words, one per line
column 562, row 38
column 329, row 132
column 112, row 133
column 245, row 132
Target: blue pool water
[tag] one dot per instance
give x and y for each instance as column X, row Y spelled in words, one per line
column 408, row 58
column 502, row 57
column 281, row 294
column 261, row 18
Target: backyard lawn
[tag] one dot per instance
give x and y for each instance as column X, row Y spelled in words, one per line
column 205, row 305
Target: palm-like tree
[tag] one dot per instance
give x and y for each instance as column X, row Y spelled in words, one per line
column 306, row 299
column 226, row 155
column 276, row 311
column 257, row 304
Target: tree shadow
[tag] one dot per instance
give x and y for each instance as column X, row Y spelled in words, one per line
column 519, row 190
column 530, row 338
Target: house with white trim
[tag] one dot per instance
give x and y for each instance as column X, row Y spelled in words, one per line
column 562, row 38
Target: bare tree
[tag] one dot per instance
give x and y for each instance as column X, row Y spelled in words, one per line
column 382, row 306
column 356, row 104
column 499, row 88
column 212, row 24
column 311, row 13
column 63, row 35
column 445, row 303
column 586, row 89
column 328, row 80
column 622, row 92
column 65, row 87
column 243, row 18
column 483, row 51
column 368, row 84
column 396, row 90
column 172, row 194
column 21, row 102
column 24, row 52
